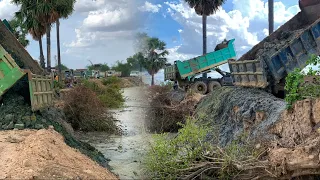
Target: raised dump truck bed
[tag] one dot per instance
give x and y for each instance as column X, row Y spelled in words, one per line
column 17, row 51
column 277, row 59
column 185, row 71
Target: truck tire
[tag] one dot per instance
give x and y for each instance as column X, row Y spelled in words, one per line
column 212, row 85
column 200, row 87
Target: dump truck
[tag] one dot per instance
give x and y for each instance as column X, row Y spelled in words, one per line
column 18, row 69
column 186, row 72
column 268, row 63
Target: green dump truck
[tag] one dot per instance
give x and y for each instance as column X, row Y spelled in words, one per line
column 18, row 67
column 185, row 72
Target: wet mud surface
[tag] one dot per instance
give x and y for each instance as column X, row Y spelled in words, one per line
column 125, row 152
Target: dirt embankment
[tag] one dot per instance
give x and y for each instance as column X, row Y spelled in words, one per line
column 233, row 111
column 291, row 137
column 131, row 82
column 29, row 154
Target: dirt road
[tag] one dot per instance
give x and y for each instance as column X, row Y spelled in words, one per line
column 127, row 151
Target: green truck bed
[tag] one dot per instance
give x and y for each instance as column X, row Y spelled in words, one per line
column 201, row 64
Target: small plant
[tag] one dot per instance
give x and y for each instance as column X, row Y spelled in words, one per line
column 167, row 156
column 295, row 86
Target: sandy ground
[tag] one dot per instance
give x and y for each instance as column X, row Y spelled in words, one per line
column 30, row 154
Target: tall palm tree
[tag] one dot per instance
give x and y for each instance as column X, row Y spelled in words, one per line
column 205, row 8
column 39, row 13
column 64, row 8
column 156, row 57
column 270, row 16
column 28, row 15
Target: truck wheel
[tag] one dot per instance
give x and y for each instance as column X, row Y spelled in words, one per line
column 212, row 85
column 200, row 87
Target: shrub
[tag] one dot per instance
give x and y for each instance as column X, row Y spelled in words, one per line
column 167, row 156
column 85, row 111
column 109, row 94
column 295, row 86
column 111, row 81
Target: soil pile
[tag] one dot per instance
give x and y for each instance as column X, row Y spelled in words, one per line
column 290, row 137
column 15, row 112
column 233, row 111
column 30, row 154
column 131, row 82
column 170, row 107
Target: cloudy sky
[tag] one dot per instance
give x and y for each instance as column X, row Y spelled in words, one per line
column 102, row 30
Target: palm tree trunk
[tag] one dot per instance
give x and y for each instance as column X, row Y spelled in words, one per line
column 204, row 37
column 48, row 48
column 58, row 47
column 152, row 79
column 42, row 64
column 270, row 16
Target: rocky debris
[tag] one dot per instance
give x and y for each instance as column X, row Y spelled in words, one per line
column 270, row 47
column 30, row 154
column 233, row 111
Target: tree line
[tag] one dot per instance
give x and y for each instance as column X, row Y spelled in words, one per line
column 37, row 18
column 150, row 56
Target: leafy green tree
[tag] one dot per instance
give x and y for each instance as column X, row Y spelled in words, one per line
column 156, row 57
column 124, row 68
column 136, row 61
column 100, row 67
column 20, row 31
column 205, row 8
column 63, row 67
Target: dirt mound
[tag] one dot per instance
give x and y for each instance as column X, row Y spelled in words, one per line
column 290, row 137
column 233, row 111
column 130, row 82
column 30, row 154
column 170, row 107
column 15, row 112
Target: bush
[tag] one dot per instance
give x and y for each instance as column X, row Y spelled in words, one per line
column 296, row 87
column 85, row 111
column 111, row 81
column 108, row 91
column 167, row 156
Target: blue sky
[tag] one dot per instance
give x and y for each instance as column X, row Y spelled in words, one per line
column 102, row 30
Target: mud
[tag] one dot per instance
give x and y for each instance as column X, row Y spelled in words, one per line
column 234, row 111
column 126, row 152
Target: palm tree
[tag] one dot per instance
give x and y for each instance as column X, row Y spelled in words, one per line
column 270, row 16
column 64, row 9
column 27, row 15
column 205, row 8
column 155, row 60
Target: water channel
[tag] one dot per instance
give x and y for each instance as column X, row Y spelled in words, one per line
column 127, row 151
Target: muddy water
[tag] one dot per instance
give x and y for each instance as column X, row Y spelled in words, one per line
column 127, row 151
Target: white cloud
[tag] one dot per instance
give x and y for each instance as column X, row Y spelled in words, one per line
column 149, row 7
column 7, row 9
column 247, row 23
